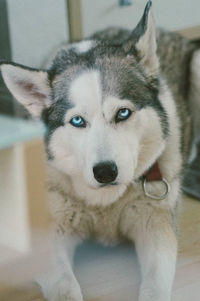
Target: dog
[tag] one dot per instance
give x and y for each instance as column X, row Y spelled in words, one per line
column 120, row 108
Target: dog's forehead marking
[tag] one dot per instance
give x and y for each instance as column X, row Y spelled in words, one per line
column 86, row 90
column 84, row 46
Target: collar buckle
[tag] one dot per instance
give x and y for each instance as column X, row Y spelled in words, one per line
column 155, row 197
column 154, row 174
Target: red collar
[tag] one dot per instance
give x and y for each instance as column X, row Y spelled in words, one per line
column 153, row 174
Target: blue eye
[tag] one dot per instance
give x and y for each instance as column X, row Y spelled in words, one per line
column 123, row 114
column 78, row 122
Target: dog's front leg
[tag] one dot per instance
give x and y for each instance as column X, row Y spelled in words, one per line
column 59, row 283
column 150, row 227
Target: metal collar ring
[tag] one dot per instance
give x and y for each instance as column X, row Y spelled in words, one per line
column 155, row 197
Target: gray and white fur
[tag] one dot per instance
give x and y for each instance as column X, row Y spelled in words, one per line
column 114, row 104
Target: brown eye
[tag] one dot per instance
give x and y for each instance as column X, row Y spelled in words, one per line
column 123, row 114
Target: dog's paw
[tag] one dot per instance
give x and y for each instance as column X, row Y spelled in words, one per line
column 68, row 296
column 153, row 294
column 65, row 292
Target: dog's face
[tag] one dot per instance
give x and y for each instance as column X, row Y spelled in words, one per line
column 100, row 102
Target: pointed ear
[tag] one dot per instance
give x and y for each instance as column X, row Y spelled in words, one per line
column 142, row 42
column 29, row 86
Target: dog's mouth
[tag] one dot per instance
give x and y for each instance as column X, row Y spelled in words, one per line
column 108, row 184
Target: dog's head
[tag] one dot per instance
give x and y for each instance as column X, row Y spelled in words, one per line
column 101, row 105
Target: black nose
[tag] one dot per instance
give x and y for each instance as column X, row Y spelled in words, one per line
column 105, row 171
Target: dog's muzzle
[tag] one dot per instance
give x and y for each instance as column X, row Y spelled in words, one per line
column 105, row 172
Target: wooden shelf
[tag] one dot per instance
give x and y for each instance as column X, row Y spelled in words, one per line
column 15, row 130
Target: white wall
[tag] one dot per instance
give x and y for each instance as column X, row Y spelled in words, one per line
column 36, row 26
column 170, row 14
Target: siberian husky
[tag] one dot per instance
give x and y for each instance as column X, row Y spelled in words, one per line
column 118, row 108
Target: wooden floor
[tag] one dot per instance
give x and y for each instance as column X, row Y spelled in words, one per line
column 112, row 274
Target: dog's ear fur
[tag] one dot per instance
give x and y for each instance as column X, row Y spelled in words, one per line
column 29, row 86
column 142, row 42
